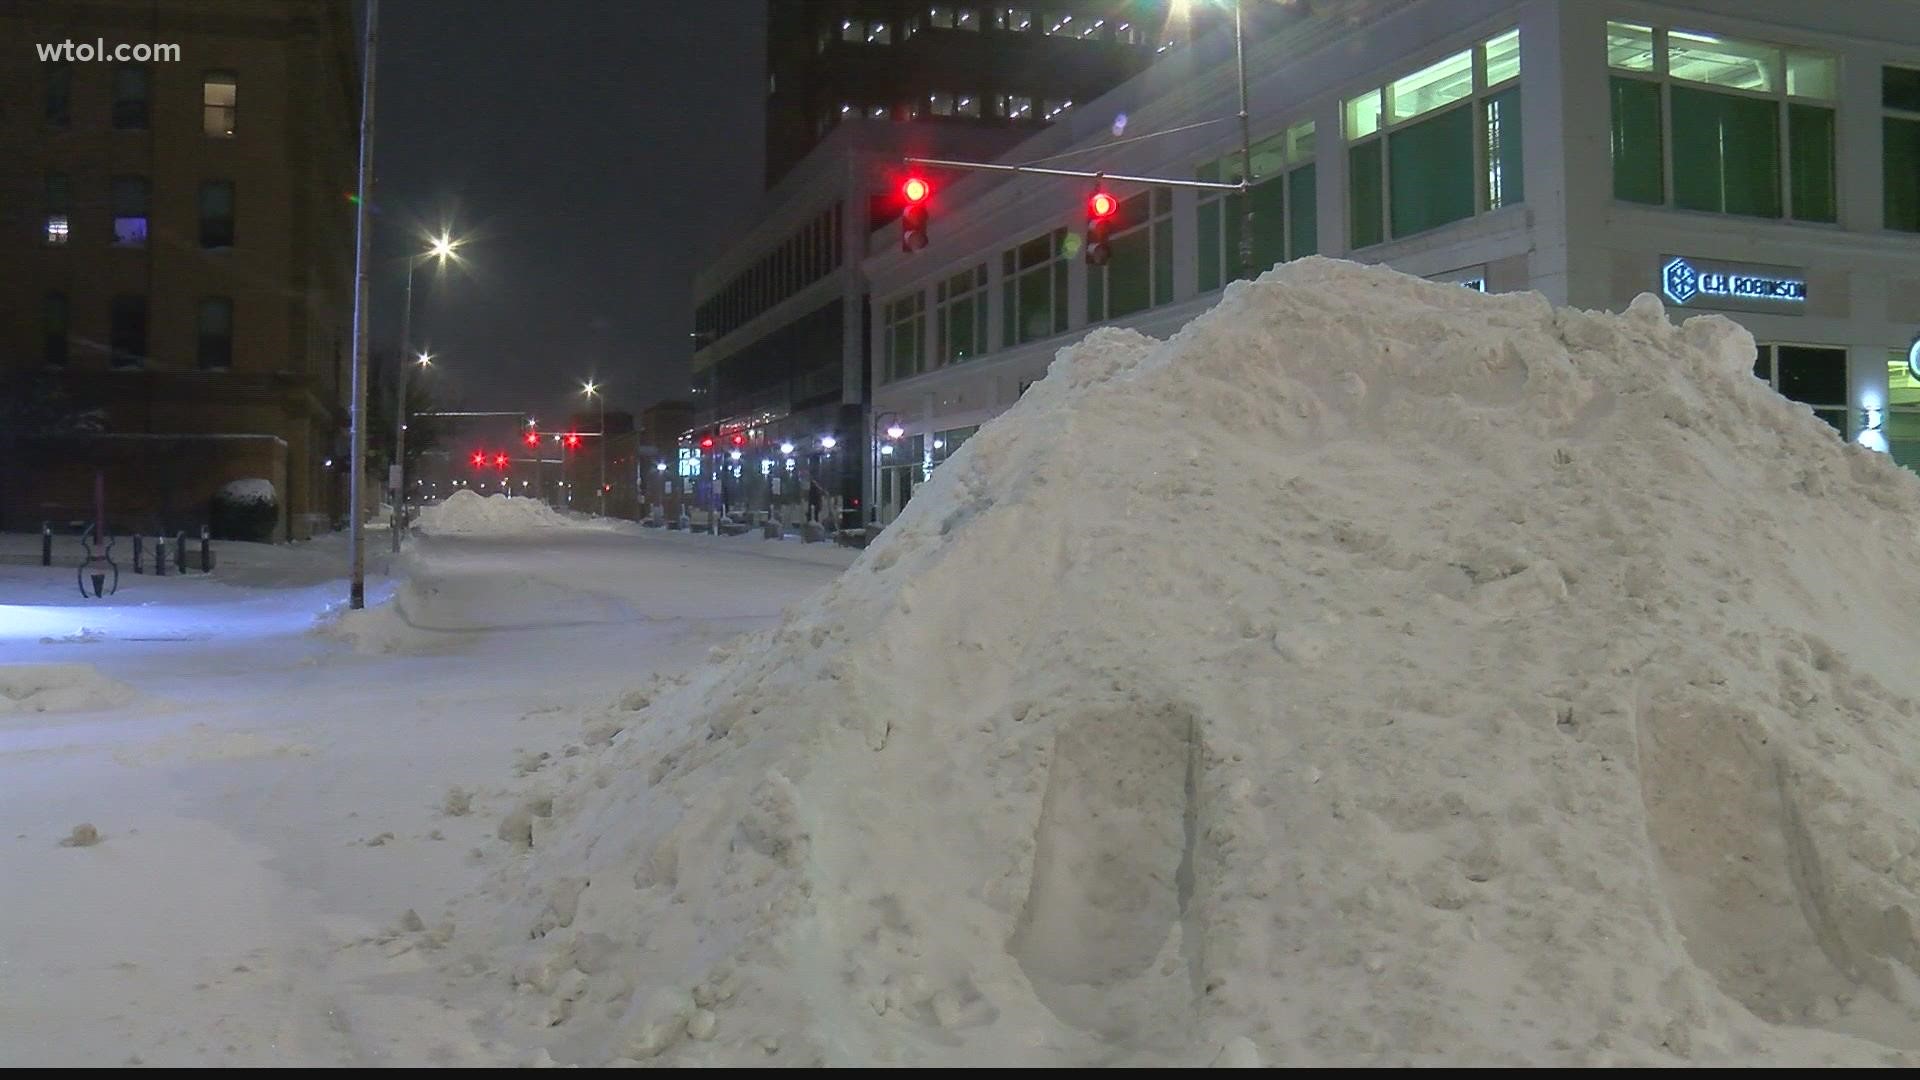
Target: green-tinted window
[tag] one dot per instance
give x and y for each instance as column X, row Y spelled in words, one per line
column 1431, row 172
column 1163, row 261
column 1130, row 274
column 1638, row 169
column 1060, row 292
column 1269, row 224
column 1900, row 88
column 1363, row 193
column 1036, row 305
column 1810, row 159
column 1303, row 212
column 1139, row 271
column 1726, row 153
column 1207, row 220
column 1901, row 139
column 1506, row 185
column 906, row 338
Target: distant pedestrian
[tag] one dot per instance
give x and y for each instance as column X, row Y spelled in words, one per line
column 815, row 493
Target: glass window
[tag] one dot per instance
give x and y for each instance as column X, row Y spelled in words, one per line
column 1364, row 194
column 1055, row 108
column 1054, row 22
column 59, row 105
column 1303, row 213
column 940, row 103
column 130, row 92
column 966, row 105
column 1139, row 271
column 1629, row 46
column 1500, row 117
column 1812, row 375
column 54, row 316
column 216, row 334
column 1363, row 115
column 1726, row 153
column 1704, row 58
column 1810, row 163
column 961, row 317
column 59, row 208
column 130, row 201
column 1018, row 20
column 1813, row 74
column 906, row 337
column 852, row 30
column 1017, row 107
column 966, row 18
column 219, row 95
column 940, row 16
column 216, row 214
column 1431, row 87
column 1900, row 89
column 1900, row 170
column 1430, row 173
column 1638, row 159
column 1034, row 289
column 129, row 331
column 878, row 32
column 1503, row 57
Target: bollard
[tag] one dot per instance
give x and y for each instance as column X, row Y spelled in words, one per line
column 139, row 543
column 206, row 551
column 46, row 544
column 180, row 551
column 160, row 556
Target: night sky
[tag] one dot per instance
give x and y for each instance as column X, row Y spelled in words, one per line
column 588, row 150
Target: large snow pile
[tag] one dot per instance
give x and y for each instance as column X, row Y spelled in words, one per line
column 1375, row 672
column 467, row 512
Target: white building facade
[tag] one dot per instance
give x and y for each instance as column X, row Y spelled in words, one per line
column 1756, row 158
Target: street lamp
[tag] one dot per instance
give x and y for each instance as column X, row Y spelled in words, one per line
column 440, row 249
column 592, row 390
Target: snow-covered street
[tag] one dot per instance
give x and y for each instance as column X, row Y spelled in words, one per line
column 271, row 799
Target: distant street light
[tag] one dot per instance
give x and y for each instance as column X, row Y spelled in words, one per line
column 440, row 249
column 592, row 390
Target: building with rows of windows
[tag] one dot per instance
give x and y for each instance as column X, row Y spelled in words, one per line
column 1757, row 158
column 176, row 257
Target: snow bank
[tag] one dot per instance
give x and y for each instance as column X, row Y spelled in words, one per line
column 46, row 688
column 1376, row 672
column 248, row 491
column 469, row 513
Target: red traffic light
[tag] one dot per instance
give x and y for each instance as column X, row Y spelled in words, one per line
column 706, row 442
column 1102, row 205
column 533, row 438
column 739, row 440
column 572, row 441
column 500, row 461
column 916, row 189
column 913, row 219
column 479, row 459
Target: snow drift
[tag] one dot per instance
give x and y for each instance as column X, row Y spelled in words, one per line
column 468, row 513
column 51, row 688
column 1376, row 672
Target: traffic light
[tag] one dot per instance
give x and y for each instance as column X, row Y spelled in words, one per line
column 479, row 459
column 739, row 440
column 913, row 219
column 533, row 439
column 1101, row 207
column 706, row 442
column 500, row 461
column 572, row 441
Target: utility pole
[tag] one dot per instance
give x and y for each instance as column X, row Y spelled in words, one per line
column 399, row 469
column 1246, row 146
column 356, row 482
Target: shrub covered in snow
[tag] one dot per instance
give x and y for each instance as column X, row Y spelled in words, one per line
column 244, row 510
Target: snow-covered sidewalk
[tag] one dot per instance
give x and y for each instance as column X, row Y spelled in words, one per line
column 274, row 790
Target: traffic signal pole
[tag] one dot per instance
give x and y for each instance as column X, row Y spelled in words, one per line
column 1035, row 170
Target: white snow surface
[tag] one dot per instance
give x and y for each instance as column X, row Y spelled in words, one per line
column 1375, row 672
column 468, row 513
column 253, row 490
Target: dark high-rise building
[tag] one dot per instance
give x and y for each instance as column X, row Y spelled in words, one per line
column 176, row 256
column 1011, row 65
column 779, row 327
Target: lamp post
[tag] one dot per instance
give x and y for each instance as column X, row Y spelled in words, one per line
column 592, row 390
column 441, row 250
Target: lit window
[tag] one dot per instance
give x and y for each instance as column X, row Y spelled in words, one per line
column 1062, row 25
column 218, row 98
column 1503, row 57
column 966, row 19
column 59, row 208
column 130, row 200
column 1630, row 46
column 940, row 104
column 1743, row 65
column 878, row 33
column 878, row 112
column 1440, row 84
column 967, row 105
column 940, row 16
column 1363, row 115
column 1016, row 107
column 1091, row 29
column 1054, row 109
column 1812, row 74
column 852, row 30
column 1017, row 20
column 846, row 109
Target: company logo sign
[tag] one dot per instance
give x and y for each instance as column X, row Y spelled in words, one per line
column 1687, row 281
